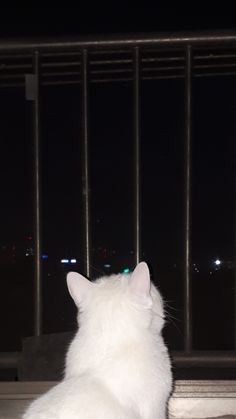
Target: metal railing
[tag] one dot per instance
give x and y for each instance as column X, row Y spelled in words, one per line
column 111, row 59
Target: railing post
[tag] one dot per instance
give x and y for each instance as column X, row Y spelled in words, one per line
column 85, row 163
column 32, row 93
column 187, row 227
column 137, row 229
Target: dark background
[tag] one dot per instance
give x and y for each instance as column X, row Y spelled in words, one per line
column 91, row 18
column 213, row 228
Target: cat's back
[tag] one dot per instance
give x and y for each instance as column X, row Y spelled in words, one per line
column 78, row 398
column 117, row 366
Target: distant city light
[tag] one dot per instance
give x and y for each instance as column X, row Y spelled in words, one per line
column 44, row 257
column 217, row 262
column 64, row 260
column 126, row 271
column 107, row 265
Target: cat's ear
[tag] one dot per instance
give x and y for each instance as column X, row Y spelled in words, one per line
column 140, row 282
column 79, row 287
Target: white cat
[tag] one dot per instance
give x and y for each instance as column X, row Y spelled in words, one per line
column 117, row 366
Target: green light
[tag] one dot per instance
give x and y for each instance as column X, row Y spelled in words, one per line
column 126, row 270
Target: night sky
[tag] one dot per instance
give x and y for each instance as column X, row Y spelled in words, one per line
column 118, row 18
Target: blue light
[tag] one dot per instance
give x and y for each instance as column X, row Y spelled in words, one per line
column 44, row 257
column 126, row 271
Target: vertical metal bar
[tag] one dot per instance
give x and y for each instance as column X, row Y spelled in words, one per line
column 137, row 230
column 187, row 250
column 37, row 201
column 234, row 253
column 85, row 175
column 235, row 307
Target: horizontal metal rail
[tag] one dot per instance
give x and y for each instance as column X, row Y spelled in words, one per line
column 112, row 80
column 188, row 38
column 71, row 72
column 204, row 359
column 8, row 66
column 9, row 360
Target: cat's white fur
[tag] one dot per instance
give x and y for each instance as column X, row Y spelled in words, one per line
column 117, row 366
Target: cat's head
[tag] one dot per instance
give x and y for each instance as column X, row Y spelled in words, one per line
column 120, row 300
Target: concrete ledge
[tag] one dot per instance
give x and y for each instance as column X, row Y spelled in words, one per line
column 190, row 400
